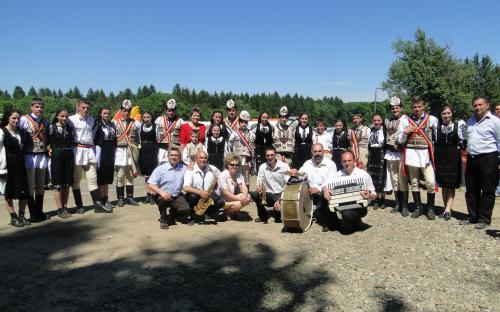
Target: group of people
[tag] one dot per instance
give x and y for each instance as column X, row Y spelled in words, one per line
column 201, row 173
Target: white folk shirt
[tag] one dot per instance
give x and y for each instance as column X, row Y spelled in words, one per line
column 274, row 178
column 325, row 139
column 419, row 157
column 318, row 174
column 123, row 156
column 391, row 155
column 84, row 135
column 38, row 160
column 201, row 180
column 355, row 173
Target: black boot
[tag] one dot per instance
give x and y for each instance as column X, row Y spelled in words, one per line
column 430, row 206
column 32, row 209
column 23, row 220
column 381, row 202
column 98, row 205
column 375, row 203
column 14, row 220
column 77, row 195
column 418, row 205
column 120, row 193
column 39, row 207
column 130, row 196
column 403, row 203
column 396, row 199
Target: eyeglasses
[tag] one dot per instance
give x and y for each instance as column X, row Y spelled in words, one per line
column 234, row 165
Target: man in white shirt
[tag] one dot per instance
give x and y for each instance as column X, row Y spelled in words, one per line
column 35, row 157
column 85, row 159
column 271, row 180
column 317, row 170
column 418, row 155
column 394, row 127
column 201, row 182
column 352, row 217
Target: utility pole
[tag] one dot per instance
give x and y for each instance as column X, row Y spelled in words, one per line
column 375, row 106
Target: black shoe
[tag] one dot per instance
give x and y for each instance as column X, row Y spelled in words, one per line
column 131, row 201
column 381, row 203
column 23, row 220
column 418, row 205
column 325, row 229
column 481, row 225
column 14, row 221
column 209, row 219
column 120, row 202
column 101, row 208
column 80, row 210
column 446, row 216
column 163, row 225
column 375, row 204
column 430, row 206
column 60, row 213
column 278, row 221
column 65, row 213
column 259, row 220
column 38, row 218
column 109, row 205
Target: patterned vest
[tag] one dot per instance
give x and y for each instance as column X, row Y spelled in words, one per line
column 38, row 133
column 361, row 136
column 239, row 147
column 173, row 127
column 391, row 127
column 417, row 141
column 284, row 139
column 126, row 132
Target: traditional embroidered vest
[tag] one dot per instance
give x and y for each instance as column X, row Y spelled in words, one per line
column 284, row 141
column 216, row 148
column 361, row 136
column 38, row 134
column 341, row 140
column 264, row 137
column 417, row 141
column 193, row 150
column 391, row 128
column 165, row 125
column 447, row 137
column 239, row 147
column 126, row 133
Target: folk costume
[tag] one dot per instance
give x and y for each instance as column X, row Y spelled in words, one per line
column 230, row 124
column 394, row 127
column 105, row 141
column 304, row 138
column 284, row 138
column 340, row 143
column 62, row 162
column 216, row 150
column 167, row 131
column 449, row 142
column 36, row 160
column 14, row 163
column 127, row 156
column 241, row 143
column 376, row 167
column 359, row 140
column 263, row 140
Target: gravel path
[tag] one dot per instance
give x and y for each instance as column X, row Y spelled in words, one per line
column 124, row 262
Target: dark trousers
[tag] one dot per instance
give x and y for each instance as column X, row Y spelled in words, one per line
column 481, row 179
column 193, row 199
column 351, row 217
column 179, row 209
column 271, row 199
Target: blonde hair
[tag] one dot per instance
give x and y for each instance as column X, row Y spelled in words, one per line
column 231, row 158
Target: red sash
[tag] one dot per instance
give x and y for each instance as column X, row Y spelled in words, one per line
column 38, row 129
column 244, row 140
column 355, row 147
column 168, row 129
column 231, row 125
column 126, row 130
column 426, row 138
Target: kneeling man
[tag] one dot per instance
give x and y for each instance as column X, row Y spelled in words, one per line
column 271, row 179
column 352, row 217
column 200, row 185
column 167, row 181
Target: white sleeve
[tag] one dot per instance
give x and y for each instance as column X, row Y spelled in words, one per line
column 188, row 178
column 185, row 156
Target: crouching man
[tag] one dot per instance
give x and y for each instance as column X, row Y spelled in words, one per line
column 166, row 182
column 200, row 185
column 351, row 217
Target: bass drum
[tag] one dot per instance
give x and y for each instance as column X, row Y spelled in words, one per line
column 296, row 208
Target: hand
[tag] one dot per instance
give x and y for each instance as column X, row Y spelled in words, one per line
column 244, row 199
column 327, row 194
column 277, row 205
column 258, row 189
column 190, row 166
column 410, row 129
column 313, row 191
column 365, row 194
column 50, row 152
column 166, row 196
column 204, row 194
column 293, row 172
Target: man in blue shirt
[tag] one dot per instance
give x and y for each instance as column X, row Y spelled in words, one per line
column 167, row 181
column 481, row 175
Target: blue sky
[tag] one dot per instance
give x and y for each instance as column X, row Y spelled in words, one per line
column 313, row 48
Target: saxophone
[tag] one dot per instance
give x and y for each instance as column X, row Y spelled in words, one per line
column 263, row 192
column 205, row 202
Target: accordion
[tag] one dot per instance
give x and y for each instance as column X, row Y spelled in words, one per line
column 346, row 193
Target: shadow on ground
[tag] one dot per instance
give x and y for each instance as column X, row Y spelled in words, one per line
column 221, row 275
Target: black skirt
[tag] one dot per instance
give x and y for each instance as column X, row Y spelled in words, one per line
column 301, row 154
column 17, row 180
column 62, row 165
column 448, row 166
column 106, row 170
column 376, row 167
column 148, row 157
column 336, row 157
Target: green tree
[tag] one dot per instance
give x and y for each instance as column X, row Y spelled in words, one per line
column 423, row 68
column 32, row 92
column 18, row 93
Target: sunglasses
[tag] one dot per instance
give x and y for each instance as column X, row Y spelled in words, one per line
column 234, row 165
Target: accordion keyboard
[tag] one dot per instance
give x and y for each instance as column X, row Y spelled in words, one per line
column 346, row 193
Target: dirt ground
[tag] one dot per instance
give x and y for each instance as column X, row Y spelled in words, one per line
column 124, row 262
